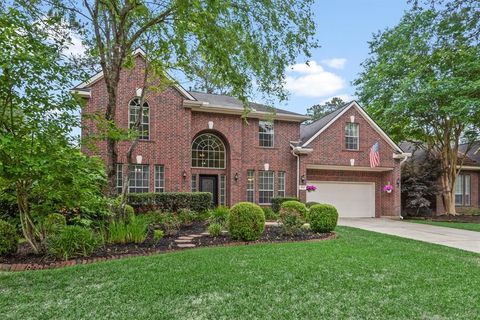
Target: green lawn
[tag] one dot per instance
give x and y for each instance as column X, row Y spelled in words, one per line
column 457, row 225
column 360, row 275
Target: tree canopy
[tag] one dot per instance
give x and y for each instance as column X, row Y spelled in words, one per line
column 319, row 111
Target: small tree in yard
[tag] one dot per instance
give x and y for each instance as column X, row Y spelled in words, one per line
column 246, row 43
column 422, row 83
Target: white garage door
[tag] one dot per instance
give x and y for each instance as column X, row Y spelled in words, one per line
column 352, row 200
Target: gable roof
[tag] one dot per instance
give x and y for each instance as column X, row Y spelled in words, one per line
column 235, row 103
column 310, row 132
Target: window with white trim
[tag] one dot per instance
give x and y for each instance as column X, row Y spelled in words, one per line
column 462, row 190
column 266, row 182
column 250, row 186
column 159, row 178
column 265, row 134
column 194, row 183
column 208, row 151
column 281, row 184
column 133, row 111
column 351, row 136
column 119, row 177
column 222, row 198
column 139, row 176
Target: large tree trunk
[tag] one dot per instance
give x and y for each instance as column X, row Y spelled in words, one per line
column 30, row 231
column 448, row 177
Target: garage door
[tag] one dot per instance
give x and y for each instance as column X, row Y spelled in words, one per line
column 352, row 200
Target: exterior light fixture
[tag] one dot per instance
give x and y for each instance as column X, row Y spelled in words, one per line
column 236, row 176
column 139, row 159
column 184, row 174
column 302, row 178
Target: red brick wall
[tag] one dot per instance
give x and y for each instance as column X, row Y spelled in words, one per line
column 329, row 149
column 474, row 193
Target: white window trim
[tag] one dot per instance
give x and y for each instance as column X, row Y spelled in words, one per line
column 272, row 134
column 357, row 136
column 253, row 185
column 273, row 186
column 155, row 178
column 141, row 122
column 224, row 153
column 284, row 183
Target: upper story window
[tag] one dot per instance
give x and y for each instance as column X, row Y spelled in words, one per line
column 208, row 151
column 462, row 190
column 351, row 136
column 265, row 134
column 133, row 110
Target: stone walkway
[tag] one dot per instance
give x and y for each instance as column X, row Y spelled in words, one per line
column 186, row 241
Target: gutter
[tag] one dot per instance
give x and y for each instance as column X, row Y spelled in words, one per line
column 404, row 156
column 296, row 151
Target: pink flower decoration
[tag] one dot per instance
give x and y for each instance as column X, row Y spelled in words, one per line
column 388, row 188
column 311, row 188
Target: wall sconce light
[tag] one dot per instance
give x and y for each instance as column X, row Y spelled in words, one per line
column 139, row 159
column 398, row 182
column 210, row 125
column 184, row 174
column 302, row 178
column 266, row 166
column 236, row 176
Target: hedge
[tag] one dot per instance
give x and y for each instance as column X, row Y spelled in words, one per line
column 277, row 203
column 170, row 201
column 323, row 217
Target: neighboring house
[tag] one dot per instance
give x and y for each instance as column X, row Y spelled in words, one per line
column 467, row 185
column 195, row 141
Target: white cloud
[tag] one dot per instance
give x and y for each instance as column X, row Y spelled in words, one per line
column 312, row 81
column 336, row 63
column 76, row 46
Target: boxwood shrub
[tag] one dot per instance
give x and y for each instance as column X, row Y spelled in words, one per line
column 8, row 238
column 277, row 203
column 295, row 205
column 323, row 217
column 170, row 201
column 246, row 221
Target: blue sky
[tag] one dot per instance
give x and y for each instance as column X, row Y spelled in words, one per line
column 344, row 28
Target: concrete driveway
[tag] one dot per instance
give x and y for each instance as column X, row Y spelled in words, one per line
column 450, row 237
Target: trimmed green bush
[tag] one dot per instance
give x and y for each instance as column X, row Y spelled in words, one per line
column 158, row 235
column 246, row 221
column 71, row 242
column 170, row 201
column 8, row 238
column 277, row 203
column 220, row 215
column 311, row 203
column 215, row 229
column 269, row 214
column 323, row 217
column 291, row 219
column 298, row 206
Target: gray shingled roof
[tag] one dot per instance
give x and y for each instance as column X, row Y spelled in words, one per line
column 419, row 153
column 227, row 101
column 473, row 154
column 309, row 130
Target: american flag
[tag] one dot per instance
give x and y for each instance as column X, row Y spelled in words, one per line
column 374, row 156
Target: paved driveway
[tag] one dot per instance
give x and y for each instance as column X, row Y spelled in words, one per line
column 450, row 237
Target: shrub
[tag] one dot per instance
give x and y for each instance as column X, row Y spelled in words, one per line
column 129, row 211
column 277, row 203
column 246, row 221
column 117, row 232
column 295, row 205
column 170, row 223
column 291, row 219
column 170, row 201
column 157, row 235
column 311, row 203
column 71, row 242
column 323, row 217
column 137, row 228
column 269, row 214
column 215, row 229
column 54, row 222
column 220, row 215
column 186, row 216
column 8, row 238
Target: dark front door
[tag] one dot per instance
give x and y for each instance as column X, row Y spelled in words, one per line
column 209, row 183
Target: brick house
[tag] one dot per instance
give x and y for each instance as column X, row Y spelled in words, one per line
column 194, row 141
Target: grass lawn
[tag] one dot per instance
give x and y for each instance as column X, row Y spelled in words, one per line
column 358, row 276
column 457, row 225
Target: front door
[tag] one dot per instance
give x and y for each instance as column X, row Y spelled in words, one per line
column 209, row 183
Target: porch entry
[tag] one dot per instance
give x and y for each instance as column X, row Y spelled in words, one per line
column 209, row 183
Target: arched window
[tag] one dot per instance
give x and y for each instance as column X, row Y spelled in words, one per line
column 208, row 151
column 133, row 110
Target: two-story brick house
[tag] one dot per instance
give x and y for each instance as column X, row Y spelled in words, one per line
column 193, row 141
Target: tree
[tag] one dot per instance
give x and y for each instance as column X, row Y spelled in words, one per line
column 421, row 83
column 244, row 42
column 319, row 111
column 37, row 159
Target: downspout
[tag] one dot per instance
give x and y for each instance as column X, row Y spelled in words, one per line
column 298, row 169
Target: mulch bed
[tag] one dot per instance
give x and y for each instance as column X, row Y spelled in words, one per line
column 450, row 218
column 24, row 259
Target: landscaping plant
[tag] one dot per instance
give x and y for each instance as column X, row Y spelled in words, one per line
column 52, row 223
column 8, row 238
column 246, row 221
column 269, row 214
column 220, row 215
column 158, row 235
column 296, row 205
column 277, row 203
column 291, row 219
column 215, row 229
column 186, row 216
column 323, row 217
column 71, row 242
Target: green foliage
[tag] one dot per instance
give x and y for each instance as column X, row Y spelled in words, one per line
column 117, row 232
column 246, row 221
column 220, row 215
column 269, row 214
column 215, row 229
column 8, row 238
column 295, row 205
column 291, row 219
column 311, row 203
column 133, row 230
column 168, row 222
column 319, row 111
column 323, row 218
column 71, row 242
column 129, row 211
column 170, row 201
column 54, row 222
column 186, row 216
column 277, row 203
column 158, row 235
